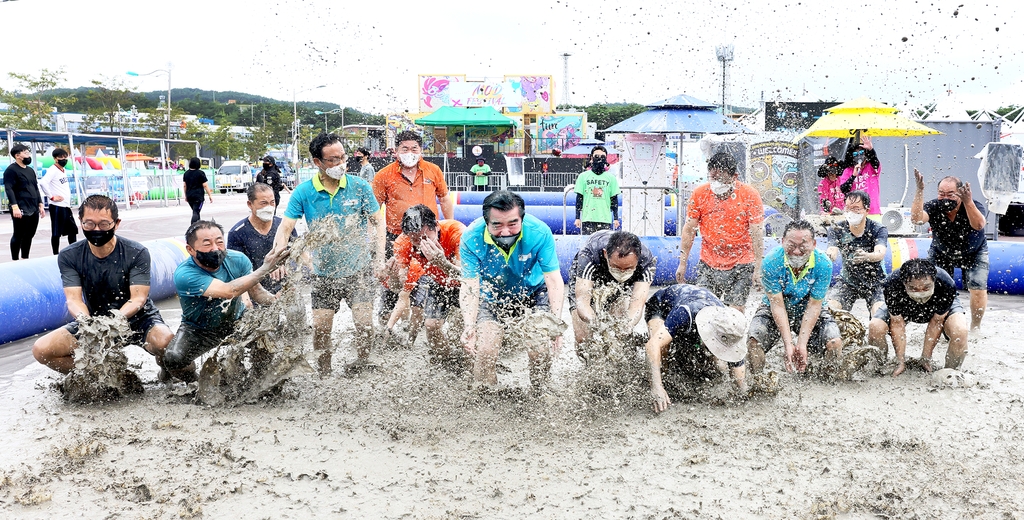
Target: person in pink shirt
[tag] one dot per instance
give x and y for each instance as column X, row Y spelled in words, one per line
column 861, row 172
column 831, row 198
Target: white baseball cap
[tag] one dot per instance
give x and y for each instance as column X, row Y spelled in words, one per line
column 724, row 331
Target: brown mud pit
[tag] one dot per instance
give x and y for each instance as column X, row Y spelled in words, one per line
column 411, row 441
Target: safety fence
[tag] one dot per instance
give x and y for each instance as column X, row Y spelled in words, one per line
column 144, row 187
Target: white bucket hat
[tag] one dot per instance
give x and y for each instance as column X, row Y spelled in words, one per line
column 724, row 331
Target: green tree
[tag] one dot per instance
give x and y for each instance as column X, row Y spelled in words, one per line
column 107, row 98
column 27, row 108
column 256, row 147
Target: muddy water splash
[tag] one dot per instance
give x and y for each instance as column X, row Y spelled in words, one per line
column 268, row 345
column 615, row 370
column 101, row 368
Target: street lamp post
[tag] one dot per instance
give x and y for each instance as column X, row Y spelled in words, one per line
column 168, row 72
column 335, row 111
column 295, row 121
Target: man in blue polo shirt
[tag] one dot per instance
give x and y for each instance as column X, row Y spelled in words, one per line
column 342, row 270
column 796, row 278
column 509, row 266
column 212, row 284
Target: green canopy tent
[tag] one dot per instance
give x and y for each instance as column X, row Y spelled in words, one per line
column 456, row 116
column 460, row 116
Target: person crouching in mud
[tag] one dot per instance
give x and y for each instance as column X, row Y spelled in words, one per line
column 693, row 332
column 796, row 280
column 609, row 257
column 212, row 285
column 435, row 246
column 103, row 275
column 920, row 292
column 509, row 266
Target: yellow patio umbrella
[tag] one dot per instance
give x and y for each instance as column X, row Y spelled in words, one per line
column 864, row 117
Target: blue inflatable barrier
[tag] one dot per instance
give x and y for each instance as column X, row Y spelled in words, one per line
column 536, row 198
column 32, row 296
column 552, row 216
column 1006, row 259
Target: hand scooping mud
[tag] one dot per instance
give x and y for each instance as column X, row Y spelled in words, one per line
column 661, row 399
column 276, row 257
column 796, row 357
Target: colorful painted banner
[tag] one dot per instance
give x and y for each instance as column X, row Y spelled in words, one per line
column 512, row 94
column 775, row 172
column 559, row 132
column 435, row 90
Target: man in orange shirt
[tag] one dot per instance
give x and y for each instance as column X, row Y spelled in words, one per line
column 435, row 246
column 730, row 216
column 403, row 184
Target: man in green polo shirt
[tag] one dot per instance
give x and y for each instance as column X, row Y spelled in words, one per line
column 480, row 172
column 342, row 270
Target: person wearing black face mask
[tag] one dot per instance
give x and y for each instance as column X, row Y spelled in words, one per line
column 55, row 186
column 958, row 236
column 214, row 285
column 597, row 192
column 26, row 204
column 271, row 176
column 103, row 275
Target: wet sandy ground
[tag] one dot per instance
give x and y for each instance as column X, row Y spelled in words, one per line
column 411, row 441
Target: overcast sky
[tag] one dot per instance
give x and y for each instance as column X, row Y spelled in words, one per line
column 369, row 53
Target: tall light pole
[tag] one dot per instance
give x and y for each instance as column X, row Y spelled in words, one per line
column 168, row 72
column 295, row 121
column 335, row 111
column 724, row 54
column 565, row 79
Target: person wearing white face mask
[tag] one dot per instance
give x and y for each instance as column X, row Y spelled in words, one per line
column 253, row 236
column 616, row 258
column 341, row 271
column 796, row 280
column 862, row 243
column 730, row 217
column 408, row 181
column 920, row 292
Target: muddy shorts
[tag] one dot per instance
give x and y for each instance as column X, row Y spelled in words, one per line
column 506, row 309
column 438, row 299
column 973, row 268
column 191, row 342
column 883, row 312
column 732, row 286
column 328, row 292
column 766, row 332
column 140, row 323
column 847, row 294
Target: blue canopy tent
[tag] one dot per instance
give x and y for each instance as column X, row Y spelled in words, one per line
column 680, row 113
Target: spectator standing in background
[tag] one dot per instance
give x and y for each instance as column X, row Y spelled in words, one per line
column 55, row 186
column 26, row 204
column 196, row 183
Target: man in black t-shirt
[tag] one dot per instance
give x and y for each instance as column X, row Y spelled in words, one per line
column 615, row 258
column 958, row 237
column 919, row 292
column 253, row 236
column 22, row 190
column 102, row 275
column 270, row 175
column 862, row 243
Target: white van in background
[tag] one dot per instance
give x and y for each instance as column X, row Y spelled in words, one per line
column 233, row 175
